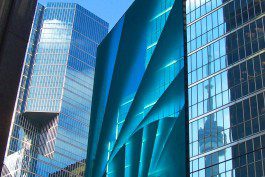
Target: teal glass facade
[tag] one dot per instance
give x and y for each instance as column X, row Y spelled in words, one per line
column 226, row 81
column 50, row 127
column 139, row 105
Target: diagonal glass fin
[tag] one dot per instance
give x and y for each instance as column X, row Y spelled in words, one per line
column 154, row 82
column 101, row 87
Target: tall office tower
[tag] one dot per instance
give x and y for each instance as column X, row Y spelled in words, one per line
column 138, row 111
column 15, row 23
column 50, row 128
column 226, row 67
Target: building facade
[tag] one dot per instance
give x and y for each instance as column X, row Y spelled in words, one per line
column 16, row 18
column 49, row 131
column 220, row 99
column 226, row 67
column 138, row 107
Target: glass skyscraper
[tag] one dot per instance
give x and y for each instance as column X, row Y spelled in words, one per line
column 226, row 81
column 138, row 112
column 50, row 126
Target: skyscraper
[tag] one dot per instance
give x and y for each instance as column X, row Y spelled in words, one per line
column 225, row 42
column 50, row 128
column 139, row 111
column 15, row 23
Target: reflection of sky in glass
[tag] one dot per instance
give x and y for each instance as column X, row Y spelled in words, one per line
column 47, row 80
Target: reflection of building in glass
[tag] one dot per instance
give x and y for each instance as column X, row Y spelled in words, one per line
column 50, row 128
column 225, row 41
column 138, row 112
column 210, row 125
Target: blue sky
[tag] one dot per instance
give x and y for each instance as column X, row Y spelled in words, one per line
column 108, row 10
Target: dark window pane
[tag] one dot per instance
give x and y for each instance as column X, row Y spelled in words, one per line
column 241, row 132
column 253, row 105
column 246, row 109
column 255, row 125
column 262, row 123
column 249, row 144
column 239, row 112
column 257, row 144
column 258, row 155
column 258, row 82
column 261, row 103
column 259, row 169
column 248, row 128
column 244, row 171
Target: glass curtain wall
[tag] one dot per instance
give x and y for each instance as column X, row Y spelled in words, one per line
column 226, row 75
